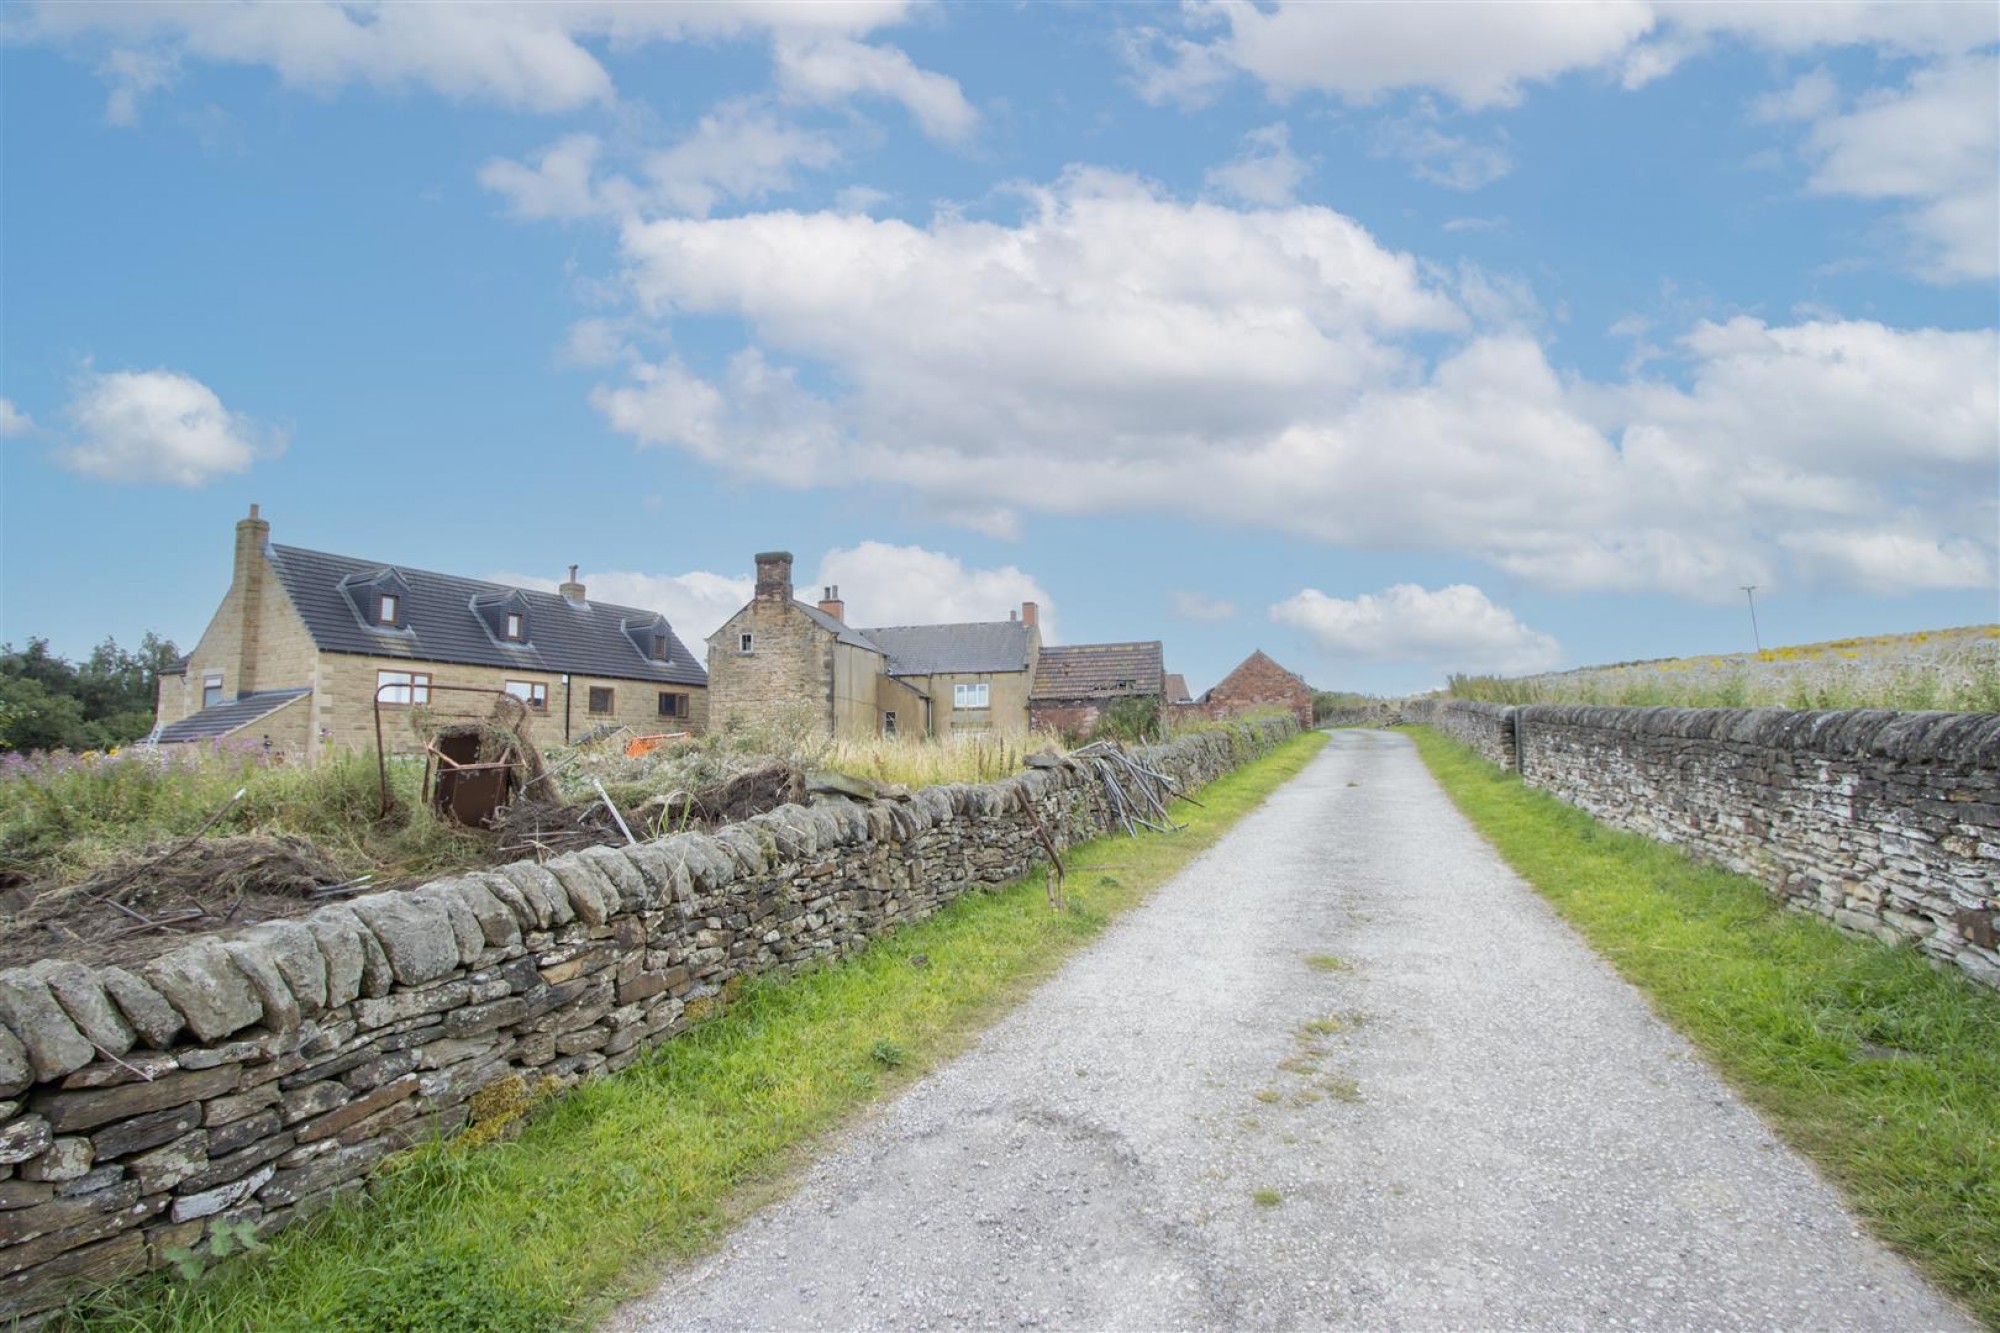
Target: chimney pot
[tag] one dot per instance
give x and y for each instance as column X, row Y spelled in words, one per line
column 573, row 589
column 1030, row 613
column 830, row 603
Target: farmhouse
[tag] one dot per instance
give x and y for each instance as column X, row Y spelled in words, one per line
column 923, row 680
column 305, row 642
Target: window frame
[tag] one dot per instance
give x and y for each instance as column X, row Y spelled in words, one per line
column 418, row 683
column 682, row 705
column 888, row 722
column 514, row 627
column 965, row 692
column 533, row 693
column 388, row 608
column 610, row 694
column 746, row 643
column 211, row 683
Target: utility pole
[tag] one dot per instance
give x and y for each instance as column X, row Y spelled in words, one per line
column 1750, row 591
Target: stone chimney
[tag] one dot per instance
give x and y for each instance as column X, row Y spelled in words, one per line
column 830, row 603
column 572, row 589
column 774, row 576
column 247, row 579
column 1029, row 614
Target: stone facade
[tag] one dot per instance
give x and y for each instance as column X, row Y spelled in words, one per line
column 1886, row 823
column 258, row 641
column 259, row 1076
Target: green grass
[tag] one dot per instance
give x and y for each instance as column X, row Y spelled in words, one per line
column 613, row 1180
column 1882, row 1069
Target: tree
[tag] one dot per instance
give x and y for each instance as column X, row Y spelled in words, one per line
column 48, row 703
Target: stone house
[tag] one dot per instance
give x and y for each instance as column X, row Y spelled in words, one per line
column 1074, row 684
column 1258, row 683
column 911, row 680
column 305, row 642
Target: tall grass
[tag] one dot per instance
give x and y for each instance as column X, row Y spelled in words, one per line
column 64, row 816
column 1956, row 670
column 652, row 1165
column 1881, row 1068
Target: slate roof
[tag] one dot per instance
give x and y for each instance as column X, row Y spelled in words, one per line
column 1174, row 687
column 441, row 624
column 1100, row 671
column 214, row 723
column 846, row 632
column 930, row 650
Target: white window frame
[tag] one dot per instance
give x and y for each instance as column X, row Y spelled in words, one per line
column 533, row 693
column 888, row 722
column 971, row 695
column 746, row 643
column 415, row 687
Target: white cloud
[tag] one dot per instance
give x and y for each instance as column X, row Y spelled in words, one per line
column 738, row 151
column 1934, row 143
column 13, row 421
column 1202, row 608
column 1278, row 369
column 1475, row 224
column 1451, row 160
column 1452, row 629
column 1483, row 56
column 822, row 69
column 535, row 55
column 695, row 604
column 1807, row 97
column 1266, row 172
column 908, row 585
column 159, row 426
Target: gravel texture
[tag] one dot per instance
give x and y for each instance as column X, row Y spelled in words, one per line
column 1495, row 1131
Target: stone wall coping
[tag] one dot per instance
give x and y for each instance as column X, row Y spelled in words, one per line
column 1971, row 739
column 55, row 1018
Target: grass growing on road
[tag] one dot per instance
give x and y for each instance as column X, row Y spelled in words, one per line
column 654, row 1164
column 1883, row 1070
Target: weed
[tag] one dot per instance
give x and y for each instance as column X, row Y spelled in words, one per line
column 1340, row 1087
column 1268, row 1096
column 1326, row 962
column 888, row 1054
column 1266, row 1198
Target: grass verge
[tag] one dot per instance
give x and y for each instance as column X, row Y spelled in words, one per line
column 1882, row 1069
column 652, row 1165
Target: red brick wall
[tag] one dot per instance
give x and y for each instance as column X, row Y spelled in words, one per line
column 1260, row 683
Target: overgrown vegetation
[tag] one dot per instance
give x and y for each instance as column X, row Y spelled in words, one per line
column 50, row 703
column 652, row 1165
column 1882, row 1069
column 1957, row 670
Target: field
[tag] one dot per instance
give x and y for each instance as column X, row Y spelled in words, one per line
column 1952, row 669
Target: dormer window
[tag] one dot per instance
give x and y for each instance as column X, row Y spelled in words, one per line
column 660, row 651
column 517, row 626
column 386, row 608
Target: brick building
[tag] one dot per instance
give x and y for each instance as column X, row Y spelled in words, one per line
column 1258, row 683
column 1076, row 683
column 304, row 641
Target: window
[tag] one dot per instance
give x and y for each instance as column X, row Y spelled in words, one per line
column 889, row 722
column 969, row 696
column 534, row 693
column 743, row 643
column 600, row 699
column 409, row 687
column 386, row 607
column 517, row 627
column 660, row 653
column 211, row 689
column 673, row 704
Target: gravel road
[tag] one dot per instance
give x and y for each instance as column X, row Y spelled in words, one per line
column 1345, row 1071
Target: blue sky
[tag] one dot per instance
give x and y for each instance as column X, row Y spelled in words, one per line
column 1393, row 340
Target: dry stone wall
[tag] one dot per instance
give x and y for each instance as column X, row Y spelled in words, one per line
column 259, row 1076
column 1887, row 823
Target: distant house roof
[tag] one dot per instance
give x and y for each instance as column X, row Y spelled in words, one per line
column 220, row 720
column 929, row 650
column 1174, row 687
column 1100, row 670
column 444, row 618
column 847, row 633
